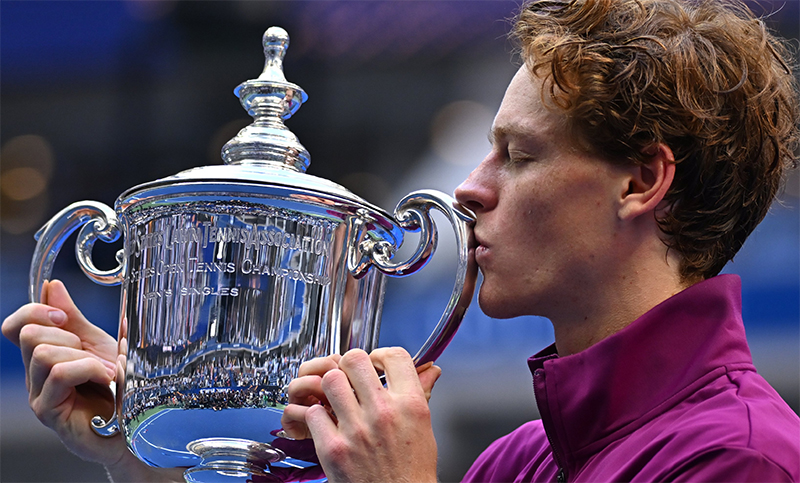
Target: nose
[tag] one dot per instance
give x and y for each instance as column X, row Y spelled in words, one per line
column 479, row 191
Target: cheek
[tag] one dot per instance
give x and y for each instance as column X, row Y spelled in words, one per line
column 538, row 214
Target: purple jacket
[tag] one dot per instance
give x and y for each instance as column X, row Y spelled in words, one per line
column 673, row 396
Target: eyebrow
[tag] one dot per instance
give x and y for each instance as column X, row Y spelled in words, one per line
column 512, row 131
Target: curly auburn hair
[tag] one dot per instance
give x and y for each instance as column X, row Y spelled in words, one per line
column 705, row 78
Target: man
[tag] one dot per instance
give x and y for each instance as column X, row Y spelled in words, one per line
column 633, row 153
column 635, row 150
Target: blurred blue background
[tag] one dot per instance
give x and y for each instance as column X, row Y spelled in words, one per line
column 100, row 96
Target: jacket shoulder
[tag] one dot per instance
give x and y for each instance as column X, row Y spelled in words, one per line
column 736, row 426
column 731, row 465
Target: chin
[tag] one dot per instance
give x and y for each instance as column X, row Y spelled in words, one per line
column 497, row 307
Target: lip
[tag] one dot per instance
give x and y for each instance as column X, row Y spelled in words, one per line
column 479, row 247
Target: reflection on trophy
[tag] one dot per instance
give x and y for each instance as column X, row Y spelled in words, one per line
column 234, row 275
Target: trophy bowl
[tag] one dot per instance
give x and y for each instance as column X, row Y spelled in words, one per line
column 234, row 275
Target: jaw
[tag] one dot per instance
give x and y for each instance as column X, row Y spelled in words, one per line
column 499, row 301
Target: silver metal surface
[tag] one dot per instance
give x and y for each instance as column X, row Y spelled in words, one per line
column 97, row 220
column 107, row 427
column 269, row 99
column 229, row 459
column 233, row 276
column 413, row 213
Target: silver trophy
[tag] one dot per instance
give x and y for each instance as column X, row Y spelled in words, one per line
column 234, row 275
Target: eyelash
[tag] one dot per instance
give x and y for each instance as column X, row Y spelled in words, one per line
column 517, row 159
column 507, row 157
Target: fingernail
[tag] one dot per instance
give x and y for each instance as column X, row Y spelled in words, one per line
column 57, row 317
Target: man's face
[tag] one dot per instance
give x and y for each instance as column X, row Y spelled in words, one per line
column 546, row 212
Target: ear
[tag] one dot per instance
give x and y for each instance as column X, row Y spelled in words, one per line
column 648, row 183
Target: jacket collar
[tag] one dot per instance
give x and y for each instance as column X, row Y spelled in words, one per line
column 615, row 386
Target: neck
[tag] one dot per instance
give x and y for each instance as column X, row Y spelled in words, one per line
column 622, row 297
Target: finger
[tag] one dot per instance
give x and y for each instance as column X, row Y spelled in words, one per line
column 61, row 384
column 46, row 358
column 319, row 365
column 428, row 377
column 92, row 336
column 321, row 424
column 363, row 377
column 397, row 365
column 28, row 314
column 306, row 390
column 340, row 395
column 293, row 421
column 33, row 335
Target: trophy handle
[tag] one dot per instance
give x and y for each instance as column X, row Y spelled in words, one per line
column 413, row 214
column 52, row 235
column 98, row 221
column 107, row 427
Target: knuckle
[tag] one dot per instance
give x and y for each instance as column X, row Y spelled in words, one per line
column 353, row 356
column 42, row 353
column 295, row 385
column 36, row 407
column 317, row 366
column 417, row 407
column 391, row 353
column 7, row 327
column 360, row 433
column 292, row 389
column 337, row 449
column 331, row 377
column 304, row 367
column 58, row 372
column 30, row 333
column 301, row 387
column 42, row 412
column 397, row 353
column 385, row 416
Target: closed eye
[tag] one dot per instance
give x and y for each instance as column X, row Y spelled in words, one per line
column 519, row 157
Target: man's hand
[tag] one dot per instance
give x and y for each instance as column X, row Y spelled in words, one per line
column 305, row 391
column 69, row 364
column 362, row 430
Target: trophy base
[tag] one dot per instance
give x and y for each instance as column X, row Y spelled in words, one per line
column 231, row 460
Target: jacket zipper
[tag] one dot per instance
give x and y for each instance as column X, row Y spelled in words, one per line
column 561, row 476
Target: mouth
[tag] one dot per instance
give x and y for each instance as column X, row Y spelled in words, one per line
column 478, row 247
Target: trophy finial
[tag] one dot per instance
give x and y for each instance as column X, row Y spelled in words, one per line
column 269, row 99
column 275, row 41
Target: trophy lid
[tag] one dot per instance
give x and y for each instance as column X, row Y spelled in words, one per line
column 265, row 155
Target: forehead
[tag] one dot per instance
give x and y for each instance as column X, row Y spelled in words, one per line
column 522, row 111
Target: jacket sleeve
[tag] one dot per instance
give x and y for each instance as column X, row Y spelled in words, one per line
column 729, row 465
column 523, row 455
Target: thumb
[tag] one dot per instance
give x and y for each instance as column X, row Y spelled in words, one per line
column 428, row 378
column 56, row 295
